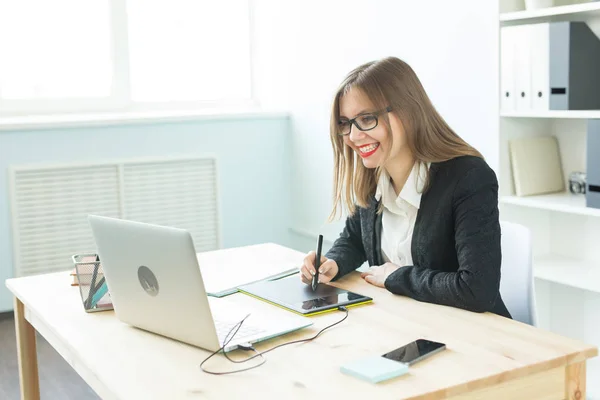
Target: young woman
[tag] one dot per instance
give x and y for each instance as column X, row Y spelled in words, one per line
column 422, row 203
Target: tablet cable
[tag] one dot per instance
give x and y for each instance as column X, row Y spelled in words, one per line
column 249, row 347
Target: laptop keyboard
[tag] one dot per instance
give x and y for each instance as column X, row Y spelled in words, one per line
column 224, row 327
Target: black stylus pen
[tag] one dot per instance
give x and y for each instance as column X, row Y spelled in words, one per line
column 315, row 279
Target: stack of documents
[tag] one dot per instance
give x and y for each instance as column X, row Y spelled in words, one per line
column 223, row 271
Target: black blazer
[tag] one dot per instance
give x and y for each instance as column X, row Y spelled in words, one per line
column 455, row 244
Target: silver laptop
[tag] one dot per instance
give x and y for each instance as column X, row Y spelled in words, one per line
column 155, row 284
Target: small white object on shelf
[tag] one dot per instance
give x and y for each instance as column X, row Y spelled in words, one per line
column 507, row 6
column 568, row 271
column 537, row 4
column 561, row 202
column 573, row 12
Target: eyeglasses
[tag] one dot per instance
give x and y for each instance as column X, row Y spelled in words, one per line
column 364, row 122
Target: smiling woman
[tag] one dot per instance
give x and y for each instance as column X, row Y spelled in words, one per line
column 422, row 203
column 410, row 129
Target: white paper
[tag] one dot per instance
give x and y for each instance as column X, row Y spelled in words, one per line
column 225, row 270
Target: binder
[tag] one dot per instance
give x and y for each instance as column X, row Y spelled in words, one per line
column 574, row 62
column 507, row 69
column 559, row 68
column 592, row 190
column 540, row 66
column 523, row 67
column 550, row 66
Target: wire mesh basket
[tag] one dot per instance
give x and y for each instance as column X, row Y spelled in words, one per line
column 89, row 276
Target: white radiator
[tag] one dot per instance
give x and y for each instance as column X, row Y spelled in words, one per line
column 50, row 204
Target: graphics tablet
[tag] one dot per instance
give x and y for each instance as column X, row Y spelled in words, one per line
column 296, row 296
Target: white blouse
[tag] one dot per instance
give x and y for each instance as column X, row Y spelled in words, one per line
column 400, row 214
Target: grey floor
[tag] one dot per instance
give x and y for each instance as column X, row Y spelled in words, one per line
column 57, row 379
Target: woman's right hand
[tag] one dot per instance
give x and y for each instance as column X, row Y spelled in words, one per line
column 327, row 270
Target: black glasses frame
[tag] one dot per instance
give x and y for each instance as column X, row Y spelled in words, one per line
column 373, row 114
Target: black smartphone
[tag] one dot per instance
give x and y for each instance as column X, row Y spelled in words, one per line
column 415, row 351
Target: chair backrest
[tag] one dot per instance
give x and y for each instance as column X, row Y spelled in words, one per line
column 517, row 281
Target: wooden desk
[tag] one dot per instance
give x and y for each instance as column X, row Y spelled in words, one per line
column 487, row 356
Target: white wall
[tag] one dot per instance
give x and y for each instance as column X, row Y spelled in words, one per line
column 249, row 215
column 304, row 49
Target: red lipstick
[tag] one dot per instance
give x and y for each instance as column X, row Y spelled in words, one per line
column 367, row 154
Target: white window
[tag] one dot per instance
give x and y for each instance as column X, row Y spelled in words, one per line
column 74, row 55
column 188, row 50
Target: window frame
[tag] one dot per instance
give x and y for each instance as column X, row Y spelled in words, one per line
column 120, row 99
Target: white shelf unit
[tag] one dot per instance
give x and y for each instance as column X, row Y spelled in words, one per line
column 553, row 114
column 561, row 202
column 568, row 271
column 572, row 12
column 566, row 233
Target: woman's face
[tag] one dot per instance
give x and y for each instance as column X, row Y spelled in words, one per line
column 370, row 145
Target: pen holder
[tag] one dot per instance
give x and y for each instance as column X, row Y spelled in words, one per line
column 92, row 286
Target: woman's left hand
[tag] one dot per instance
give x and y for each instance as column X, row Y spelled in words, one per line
column 378, row 274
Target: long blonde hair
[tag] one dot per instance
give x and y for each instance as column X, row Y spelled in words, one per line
column 389, row 82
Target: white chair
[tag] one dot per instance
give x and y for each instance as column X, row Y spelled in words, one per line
column 516, row 283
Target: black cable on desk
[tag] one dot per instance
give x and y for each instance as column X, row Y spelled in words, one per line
column 237, row 327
